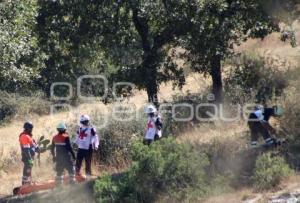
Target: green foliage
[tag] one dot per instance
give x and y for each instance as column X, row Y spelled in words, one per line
column 44, row 144
column 217, row 26
column 20, row 59
column 164, row 167
column 269, row 171
column 253, row 78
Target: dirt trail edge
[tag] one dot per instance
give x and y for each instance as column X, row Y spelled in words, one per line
column 79, row 193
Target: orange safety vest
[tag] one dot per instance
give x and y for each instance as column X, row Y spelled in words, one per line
column 60, row 139
column 25, row 140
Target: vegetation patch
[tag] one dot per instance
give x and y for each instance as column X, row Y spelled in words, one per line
column 270, row 171
column 163, row 168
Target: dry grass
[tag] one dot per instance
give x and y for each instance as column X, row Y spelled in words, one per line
column 235, row 197
column 205, row 133
column 273, row 47
column 45, row 125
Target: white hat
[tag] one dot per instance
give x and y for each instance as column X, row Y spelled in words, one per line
column 150, row 109
column 84, row 118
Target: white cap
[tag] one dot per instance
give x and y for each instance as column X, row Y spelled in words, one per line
column 150, row 109
column 84, row 118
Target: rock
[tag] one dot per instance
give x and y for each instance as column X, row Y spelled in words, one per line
column 284, row 198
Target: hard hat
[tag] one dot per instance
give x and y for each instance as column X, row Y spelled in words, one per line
column 150, row 109
column 61, row 126
column 28, row 125
column 278, row 111
column 84, row 118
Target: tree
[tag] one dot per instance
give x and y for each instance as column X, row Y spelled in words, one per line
column 61, row 35
column 20, row 59
column 218, row 26
column 134, row 36
column 144, row 31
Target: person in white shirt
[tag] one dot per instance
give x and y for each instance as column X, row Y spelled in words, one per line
column 154, row 125
column 87, row 140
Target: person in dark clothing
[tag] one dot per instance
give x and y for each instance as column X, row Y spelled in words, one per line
column 259, row 124
column 63, row 154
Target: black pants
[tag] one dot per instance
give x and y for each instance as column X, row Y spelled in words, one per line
column 85, row 154
column 149, row 141
column 256, row 128
column 26, row 179
column 64, row 163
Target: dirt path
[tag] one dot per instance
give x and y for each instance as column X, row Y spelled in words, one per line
column 80, row 193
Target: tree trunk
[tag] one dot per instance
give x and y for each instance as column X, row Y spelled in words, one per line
column 216, row 74
column 141, row 25
column 151, row 77
column 152, row 94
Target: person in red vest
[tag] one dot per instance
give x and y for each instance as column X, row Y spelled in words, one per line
column 28, row 146
column 154, row 125
column 63, row 154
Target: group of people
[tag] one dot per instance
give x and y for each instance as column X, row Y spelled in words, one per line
column 87, row 141
column 62, row 152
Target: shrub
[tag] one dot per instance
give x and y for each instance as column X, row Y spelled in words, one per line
column 291, row 103
column 230, row 163
column 116, row 139
column 8, row 160
column 182, row 113
column 163, row 168
column 269, row 171
column 7, row 106
column 253, row 78
column 14, row 105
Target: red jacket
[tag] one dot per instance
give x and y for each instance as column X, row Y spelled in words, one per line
column 61, row 142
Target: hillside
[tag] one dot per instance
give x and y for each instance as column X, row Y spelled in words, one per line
column 45, row 125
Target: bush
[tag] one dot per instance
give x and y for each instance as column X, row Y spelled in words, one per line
column 163, row 168
column 253, row 78
column 8, row 161
column 175, row 127
column 14, row 105
column 291, row 103
column 269, row 171
column 117, row 137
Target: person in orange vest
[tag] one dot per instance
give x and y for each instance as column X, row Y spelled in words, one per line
column 63, row 154
column 27, row 148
